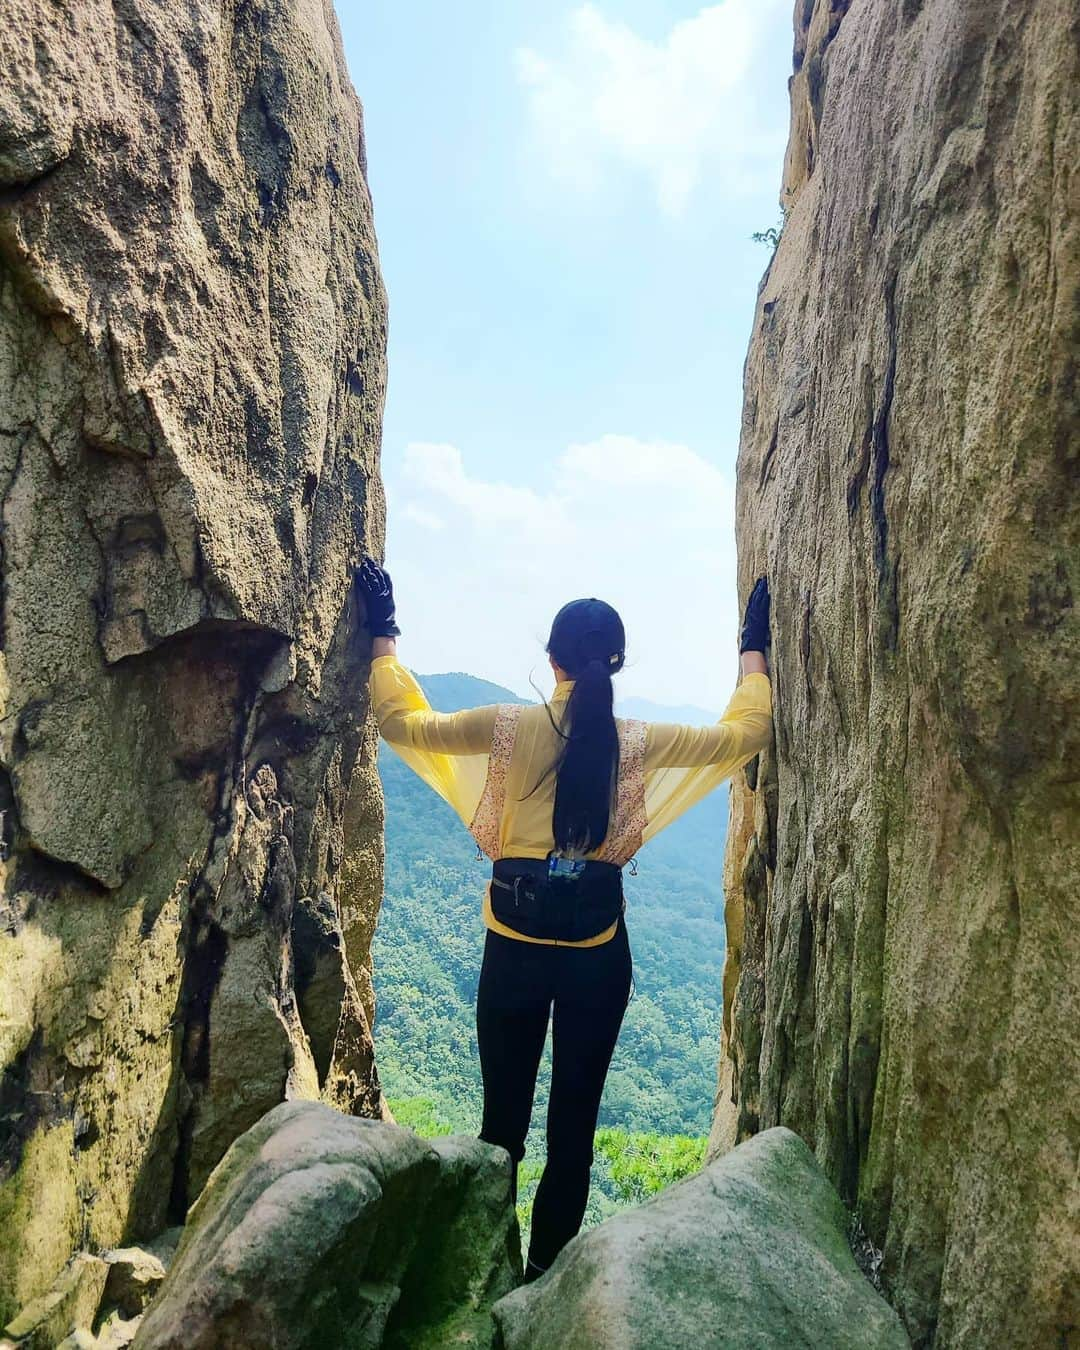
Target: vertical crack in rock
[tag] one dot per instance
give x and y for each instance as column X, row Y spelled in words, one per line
column 887, row 569
column 206, row 947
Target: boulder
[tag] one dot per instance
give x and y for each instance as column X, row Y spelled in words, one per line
column 134, row 1278
column 749, row 1254
column 117, row 1332
column 903, row 972
column 315, row 1226
column 164, row 1245
column 468, row 1254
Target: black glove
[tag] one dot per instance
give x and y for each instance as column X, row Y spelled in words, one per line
column 755, row 628
column 373, row 586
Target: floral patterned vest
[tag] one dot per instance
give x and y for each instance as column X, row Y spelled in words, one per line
column 623, row 838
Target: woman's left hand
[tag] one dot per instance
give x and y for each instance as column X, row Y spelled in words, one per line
column 754, row 634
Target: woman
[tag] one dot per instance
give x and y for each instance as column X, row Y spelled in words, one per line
column 559, row 796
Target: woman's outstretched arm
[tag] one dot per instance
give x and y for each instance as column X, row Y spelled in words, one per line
column 746, row 724
column 449, row 751
column 405, row 718
column 682, row 763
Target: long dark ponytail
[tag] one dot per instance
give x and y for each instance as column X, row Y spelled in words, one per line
column 588, row 641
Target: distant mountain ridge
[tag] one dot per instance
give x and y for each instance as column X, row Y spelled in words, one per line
column 453, row 690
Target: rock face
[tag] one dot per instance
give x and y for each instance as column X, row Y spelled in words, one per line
column 72, row 1300
column 192, row 339
column 108, row 1293
column 902, row 987
column 318, row 1230
column 749, row 1254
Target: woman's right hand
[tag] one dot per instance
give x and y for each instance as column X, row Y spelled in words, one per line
column 375, row 589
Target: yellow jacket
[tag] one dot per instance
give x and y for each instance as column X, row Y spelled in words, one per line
column 675, row 765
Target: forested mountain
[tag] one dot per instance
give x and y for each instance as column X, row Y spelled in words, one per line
column 430, row 938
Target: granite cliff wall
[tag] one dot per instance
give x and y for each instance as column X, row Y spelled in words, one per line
column 192, row 368
column 903, row 868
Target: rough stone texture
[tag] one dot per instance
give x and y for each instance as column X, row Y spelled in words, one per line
column 317, row 1229
column 336, row 1017
column 115, row 1333
column 80, row 1339
column 903, row 990
column 749, row 1254
column 165, row 1244
column 134, row 1278
column 192, row 361
column 71, row 1302
column 468, row 1255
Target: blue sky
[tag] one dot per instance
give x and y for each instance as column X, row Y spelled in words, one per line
column 564, row 197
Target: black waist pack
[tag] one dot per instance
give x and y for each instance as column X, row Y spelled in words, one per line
column 526, row 898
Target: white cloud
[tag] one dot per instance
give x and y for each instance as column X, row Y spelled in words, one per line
column 673, row 110
column 428, row 519
column 646, row 525
column 437, row 469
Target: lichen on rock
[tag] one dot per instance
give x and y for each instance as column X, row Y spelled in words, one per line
column 192, row 371
column 317, row 1229
column 902, row 987
column 71, row 1301
column 751, row 1251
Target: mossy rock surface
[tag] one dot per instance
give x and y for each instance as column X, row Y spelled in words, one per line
column 72, row 1302
column 749, row 1254
column 902, row 971
column 322, row 1230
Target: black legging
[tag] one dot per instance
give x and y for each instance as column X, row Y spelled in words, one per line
column 589, row 987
